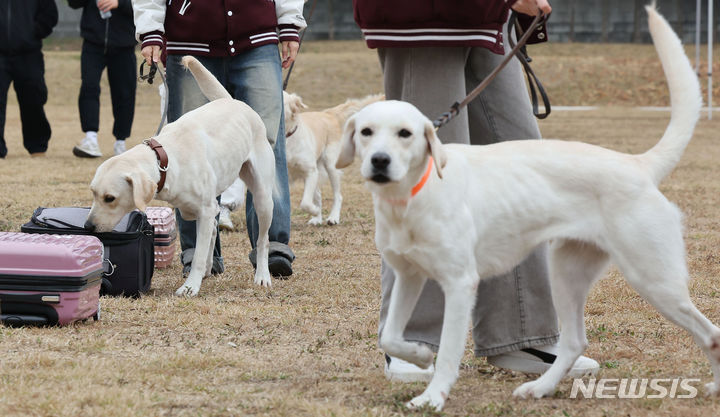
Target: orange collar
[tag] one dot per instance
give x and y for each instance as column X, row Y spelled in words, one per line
column 416, row 189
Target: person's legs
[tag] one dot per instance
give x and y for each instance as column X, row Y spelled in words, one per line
column 5, row 79
column 32, row 94
column 184, row 95
column 526, row 320
column 255, row 77
column 527, row 317
column 413, row 75
column 122, row 78
column 92, row 63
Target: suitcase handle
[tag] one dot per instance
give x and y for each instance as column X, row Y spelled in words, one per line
column 110, row 266
column 45, row 298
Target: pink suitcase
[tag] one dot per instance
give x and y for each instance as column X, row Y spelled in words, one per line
column 49, row 279
column 163, row 220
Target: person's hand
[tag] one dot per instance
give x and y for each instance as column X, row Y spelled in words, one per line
column 105, row 5
column 531, row 7
column 151, row 54
column 289, row 52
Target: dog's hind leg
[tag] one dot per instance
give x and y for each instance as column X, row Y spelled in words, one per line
column 574, row 267
column 209, row 261
column 258, row 173
column 651, row 255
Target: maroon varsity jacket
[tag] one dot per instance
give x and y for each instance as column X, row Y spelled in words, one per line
column 212, row 27
column 418, row 23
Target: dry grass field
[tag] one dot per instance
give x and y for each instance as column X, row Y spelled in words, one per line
column 308, row 346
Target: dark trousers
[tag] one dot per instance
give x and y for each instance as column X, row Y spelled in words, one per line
column 27, row 73
column 120, row 63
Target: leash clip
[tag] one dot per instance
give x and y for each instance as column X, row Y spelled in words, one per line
column 150, row 76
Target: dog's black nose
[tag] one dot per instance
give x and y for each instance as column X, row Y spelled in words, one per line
column 89, row 226
column 380, row 160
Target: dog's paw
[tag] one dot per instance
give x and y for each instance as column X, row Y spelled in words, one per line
column 712, row 389
column 263, row 279
column 532, row 389
column 187, row 291
column 315, row 221
column 310, row 208
column 435, row 400
column 333, row 220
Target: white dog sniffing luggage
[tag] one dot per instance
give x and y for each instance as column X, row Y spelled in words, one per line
column 206, row 149
column 458, row 214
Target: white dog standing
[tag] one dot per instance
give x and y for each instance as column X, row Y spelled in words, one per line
column 458, row 214
column 312, row 147
column 207, row 149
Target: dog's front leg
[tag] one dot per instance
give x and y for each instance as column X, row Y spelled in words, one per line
column 405, row 293
column 311, row 183
column 334, row 176
column 317, row 199
column 205, row 225
column 459, row 302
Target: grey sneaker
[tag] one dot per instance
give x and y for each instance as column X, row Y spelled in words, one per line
column 397, row 369
column 225, row 222
column 539, row 359
column 87, row 149
column 119, row 147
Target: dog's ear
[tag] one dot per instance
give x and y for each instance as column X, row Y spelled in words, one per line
column 300, row 103
column 347, row 145
column 295, row 102
column 143, row 189
column 435, row 146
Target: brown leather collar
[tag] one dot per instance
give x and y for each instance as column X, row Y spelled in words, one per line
column 293, row 131
column 162, row 160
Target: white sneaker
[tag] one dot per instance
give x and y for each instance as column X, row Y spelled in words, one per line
column 225, row 222
column 397, row 369
column 539, row 359
column 87, row 149
column 119, row 147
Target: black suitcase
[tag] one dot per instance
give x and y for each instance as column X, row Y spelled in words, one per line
column 129, row 248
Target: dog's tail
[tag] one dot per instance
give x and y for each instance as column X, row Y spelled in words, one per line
column 352, row 105
column 209, row 85
column 685, row 98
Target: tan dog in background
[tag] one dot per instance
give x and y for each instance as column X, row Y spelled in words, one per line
column 208, row 148
column 458, row 214
column 312, row 145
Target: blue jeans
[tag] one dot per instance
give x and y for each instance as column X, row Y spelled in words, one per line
column 254, row 77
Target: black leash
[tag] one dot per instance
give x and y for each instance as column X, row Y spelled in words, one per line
column 302, row 36
column 149, row 78
column 455, row 107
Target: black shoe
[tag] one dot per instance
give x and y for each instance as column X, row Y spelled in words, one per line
column 279, row 266
column 279, row 260
column 218, row 267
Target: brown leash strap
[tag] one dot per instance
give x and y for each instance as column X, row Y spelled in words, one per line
column 162, row 160
column 455, row 108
